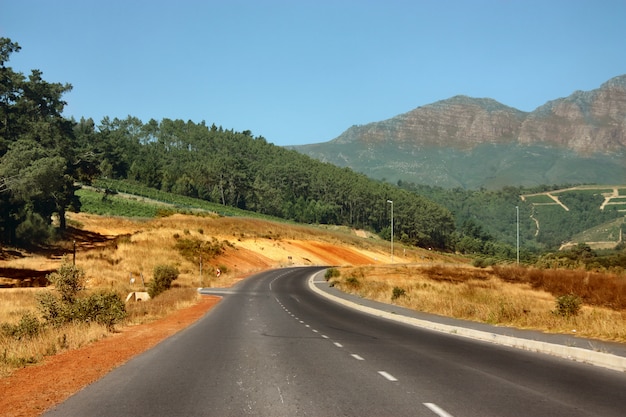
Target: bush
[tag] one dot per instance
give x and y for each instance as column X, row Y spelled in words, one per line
column 397, row 293
column 568, row 305
column 331, row 273
column 68, row 281
column 483, row 262
column 27, row 327
column 104, row 308
column 53, row 310
column 353, row 281
column 33, row 229
column 162, row 280
column 192, row 249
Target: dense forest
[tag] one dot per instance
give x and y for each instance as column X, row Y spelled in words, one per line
column 44, row 159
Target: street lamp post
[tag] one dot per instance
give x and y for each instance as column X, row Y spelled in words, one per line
column 517, row 210
column 391, row 202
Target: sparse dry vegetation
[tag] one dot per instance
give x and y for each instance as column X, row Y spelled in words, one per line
column 509, row 296
column 120, row 256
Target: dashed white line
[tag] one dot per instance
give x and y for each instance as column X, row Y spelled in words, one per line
column 339, row 345
column 387, row 376
column 357, row 357
column 324, row 336
column 437, row 410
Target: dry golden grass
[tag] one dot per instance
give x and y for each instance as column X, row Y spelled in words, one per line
column 112, row 250
column 15, row 302
column 480, row 295
column 48, row 342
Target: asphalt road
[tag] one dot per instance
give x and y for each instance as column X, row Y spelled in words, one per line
column 272, row 347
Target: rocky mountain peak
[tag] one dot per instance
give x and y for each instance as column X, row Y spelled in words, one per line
column 478, row 142
column 585, row 122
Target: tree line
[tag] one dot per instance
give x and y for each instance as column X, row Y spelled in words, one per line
column 43, row 156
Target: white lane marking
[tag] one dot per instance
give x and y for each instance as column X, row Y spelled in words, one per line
column 357, row 357
column 306, row 325
column 282, row 400
column 387, row 376
column 324, row 336
column 339, row 345
column 437, row 410
column 315, row 331
column 301, row 322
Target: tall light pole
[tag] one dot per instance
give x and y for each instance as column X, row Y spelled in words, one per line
column 517, row 211
column 391, row 202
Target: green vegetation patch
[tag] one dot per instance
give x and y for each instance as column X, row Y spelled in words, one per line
column 110, row 205
column 193, row 249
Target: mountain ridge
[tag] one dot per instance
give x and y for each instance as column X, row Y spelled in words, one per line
column 580, row 138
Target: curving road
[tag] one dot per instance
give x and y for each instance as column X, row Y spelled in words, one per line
column 272, row 347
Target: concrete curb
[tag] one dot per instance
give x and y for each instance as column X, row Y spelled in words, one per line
column 601, row 359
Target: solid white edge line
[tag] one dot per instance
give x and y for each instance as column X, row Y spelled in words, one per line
column 437, row 410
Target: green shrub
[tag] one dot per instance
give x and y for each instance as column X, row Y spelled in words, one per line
column 568, row 305
column 33, row 229
column 483, row 262
column 53, row 310
column 397, row 293
column 192, row 248
column 68, row 281
column 162, row 280
column 353, row 281
column 27, row 327
column 104, row 308
column 331, row 273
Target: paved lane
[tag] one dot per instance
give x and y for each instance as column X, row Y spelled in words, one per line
column 273, row 348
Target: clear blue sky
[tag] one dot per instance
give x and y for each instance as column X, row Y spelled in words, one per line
column 303, row 71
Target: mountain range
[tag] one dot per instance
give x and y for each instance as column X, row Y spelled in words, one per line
column 477, row 143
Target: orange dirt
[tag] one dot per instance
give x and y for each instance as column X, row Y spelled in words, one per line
column 32, row 390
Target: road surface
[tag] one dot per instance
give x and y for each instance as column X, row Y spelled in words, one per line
column 272, row 347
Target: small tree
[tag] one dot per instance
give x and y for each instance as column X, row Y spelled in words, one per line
column 105, row 308
column 162, row 280
column 68, row 281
